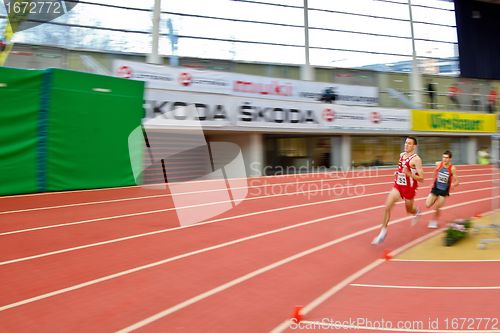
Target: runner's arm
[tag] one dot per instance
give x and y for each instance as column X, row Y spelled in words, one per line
column 454, row 182
column 419, row 176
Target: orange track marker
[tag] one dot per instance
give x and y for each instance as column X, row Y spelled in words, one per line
column 387, row 255
column 296, row 315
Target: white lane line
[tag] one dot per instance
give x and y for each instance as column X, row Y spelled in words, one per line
column 170, row 230
column 211, row 248
column 328, row 174
column 344, row 283
column 60, row 225
column 343, row 175
column 267, row 268
column 212, row 190
column 207, row 222
column 198, row 192
column 237, row 281
column 191, row 192
column 189, row 254
column 194, row 206
column 82, row 204
column 423, row 287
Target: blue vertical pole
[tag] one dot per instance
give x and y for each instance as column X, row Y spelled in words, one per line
column 43, row 124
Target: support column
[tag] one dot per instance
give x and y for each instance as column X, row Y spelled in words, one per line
column 252, row 150
column 306, row 72
column 254, row 154
column 335, row 153
column 415, row 77
column 346, row 154
column 495, row 152
column 471, row 151
column 340, row 152
column 154, row 57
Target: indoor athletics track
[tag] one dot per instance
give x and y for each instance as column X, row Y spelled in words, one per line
column 117, row 260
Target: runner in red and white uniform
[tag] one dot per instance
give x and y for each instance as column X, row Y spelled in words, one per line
column 409, row 174
column 445, row 178
column 405, row 184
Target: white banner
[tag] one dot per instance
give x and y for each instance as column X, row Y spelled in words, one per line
column 187, row 79
column 177, row 108
column 258, row 112
column 173, row 78
column 340, row 116
column 346, row 94
column 271, row 88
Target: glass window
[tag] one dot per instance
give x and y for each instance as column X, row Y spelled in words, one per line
column 367, row 43
column 431, row 14
column 372, row 25
column 375, row 150
column 365, row 7
column 347, row 59
column 320, row 152
column 431, row 149
column 342, row 33
column 370, row 151
column 292, row 147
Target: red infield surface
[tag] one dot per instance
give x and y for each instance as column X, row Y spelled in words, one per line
column 128, row 259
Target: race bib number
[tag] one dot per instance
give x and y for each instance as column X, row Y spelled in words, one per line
column 401, row 180
column 443, row 177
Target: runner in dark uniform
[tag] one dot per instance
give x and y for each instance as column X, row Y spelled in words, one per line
column 445, row 178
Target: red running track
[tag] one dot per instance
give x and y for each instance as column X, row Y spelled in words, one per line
column 117, row 259
column 414, row 296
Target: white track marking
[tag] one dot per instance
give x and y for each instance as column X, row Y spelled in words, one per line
column 203, row 223
column 263, row 270
column 173, row 229
column 197, row 192
column 208, row 191
column 192, row 192
column 211, row 248
column 194, row 206
column 332, row 291
column 189, row 254
column 329, row 174
column 60, row 225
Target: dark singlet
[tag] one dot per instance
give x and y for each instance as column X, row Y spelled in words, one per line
column 442, row 180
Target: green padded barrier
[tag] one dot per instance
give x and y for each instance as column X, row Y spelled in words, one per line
column 20, row 98
column 90, row 118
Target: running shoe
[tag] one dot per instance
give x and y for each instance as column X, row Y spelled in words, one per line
column 380, row 238
column 432, row 224
column 416, row 217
